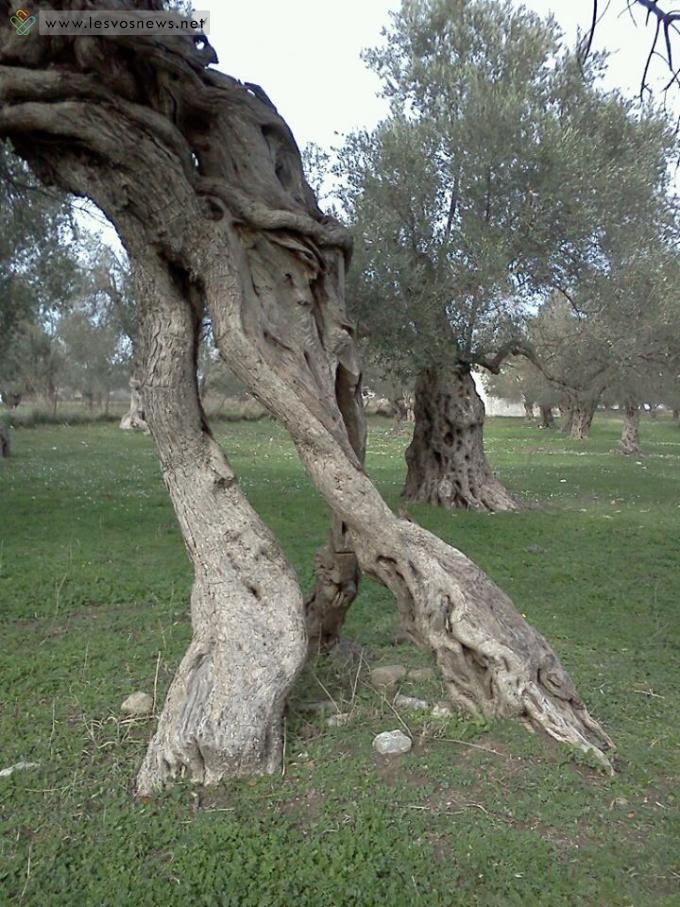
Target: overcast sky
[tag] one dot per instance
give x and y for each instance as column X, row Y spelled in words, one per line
column 305, row 54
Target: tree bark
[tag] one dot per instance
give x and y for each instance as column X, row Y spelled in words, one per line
column 446, row 462
column 224, row 710
column 547, row 417
column 528, row 410
column 204, row 183
column 134, row 417
column 630, row 436
column 566, row 416
column 337, row 567
column 4, row 440
column 581, row 420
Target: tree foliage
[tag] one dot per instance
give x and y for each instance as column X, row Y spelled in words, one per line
column 495, row 180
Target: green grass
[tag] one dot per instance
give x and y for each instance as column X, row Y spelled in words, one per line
column 94, row 588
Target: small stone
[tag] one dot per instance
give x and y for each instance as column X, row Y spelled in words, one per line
column 387, row 675
column 410, row 702
column 18, row 767
column 619, row 802
column 392, row 743
column 441, row 710
column 338, row 720
column 535, row 549
column 421, row 674
column 138, row 705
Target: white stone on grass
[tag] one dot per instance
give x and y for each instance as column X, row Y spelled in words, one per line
column 138, row 705
column 410, row 702
column 18, row 767
column 392, row 743
column 387, row 675
column 441, row 710
column 421, row 674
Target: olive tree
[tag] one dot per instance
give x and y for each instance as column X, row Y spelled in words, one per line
column 203, row 181
column 38, row 269
column 489, row 187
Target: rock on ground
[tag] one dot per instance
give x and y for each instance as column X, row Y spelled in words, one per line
column 392, row 743
column 138, row 705
column 387, row 675
column 410, row 702
column 421, row 674
column 17, row 767
column 442, row 710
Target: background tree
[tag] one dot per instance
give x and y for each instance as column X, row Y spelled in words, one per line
column 488, row 187
column 615, row 335
column 38, row 269
column 522, row 382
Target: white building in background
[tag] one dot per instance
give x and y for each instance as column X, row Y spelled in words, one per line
column 496, row 406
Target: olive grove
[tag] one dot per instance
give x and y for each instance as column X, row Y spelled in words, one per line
column 203, row 182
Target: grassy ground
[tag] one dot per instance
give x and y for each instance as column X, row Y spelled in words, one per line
column 93, row 596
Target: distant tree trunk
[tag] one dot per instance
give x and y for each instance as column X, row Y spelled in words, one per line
column 447, row 465
column 676, row 415
column 4, row 440
column 224, row 711
column 335, row 587
column 528, row 410
column 337, row 568
column 401, row 413
column 582, row 419
column 53, row 398
column 630, row 436
column 547, row 417
column 134, row 417
column 653, row 413
column 566, row 416
column 107, row 401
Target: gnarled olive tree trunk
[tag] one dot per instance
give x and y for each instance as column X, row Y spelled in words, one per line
column 581, row 420
column 446, row 462
column 337, row 567
column 547, row 417
column 630, row 436
column 134, row 417
column 566, row 416
column 224, row 710
column 203, row 181
column 577, row 411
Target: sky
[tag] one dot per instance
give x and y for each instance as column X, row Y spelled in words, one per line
column 306, row 54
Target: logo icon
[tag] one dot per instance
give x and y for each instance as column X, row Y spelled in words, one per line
column 22, row 21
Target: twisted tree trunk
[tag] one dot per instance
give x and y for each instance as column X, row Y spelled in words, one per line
column 203, row 181
column 547, row 417
column 337, row 568
column 528, row 410
column 446, row 462
column 134, row 417
column 223, row 713
column 630, row 436
column 581, row 419
column 566, row 416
